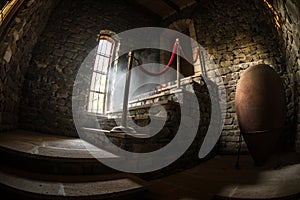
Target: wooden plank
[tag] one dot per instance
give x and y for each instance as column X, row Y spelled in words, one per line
column 172, row 5
column 144, row 9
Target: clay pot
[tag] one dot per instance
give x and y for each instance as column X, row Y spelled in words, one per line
column 260, row 107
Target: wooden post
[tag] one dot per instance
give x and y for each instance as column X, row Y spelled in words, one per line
column 178, row 63
column 126, row 92
column 124, row 128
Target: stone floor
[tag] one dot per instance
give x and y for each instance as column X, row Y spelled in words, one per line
column 217, row 178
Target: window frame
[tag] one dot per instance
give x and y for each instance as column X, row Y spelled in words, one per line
column 95, row 70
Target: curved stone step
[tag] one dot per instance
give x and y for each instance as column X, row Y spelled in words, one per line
column 276, row 184
column 28, row 185
column 51, row 153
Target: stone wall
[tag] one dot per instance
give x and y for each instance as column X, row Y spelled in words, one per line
column 289, row 15
column 69, row 36
column 237, row 35
column 15, row 52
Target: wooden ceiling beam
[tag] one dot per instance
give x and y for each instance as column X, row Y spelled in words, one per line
column 143, row 9
column 172, row 5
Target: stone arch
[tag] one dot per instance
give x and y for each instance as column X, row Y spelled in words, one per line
column 185, row 26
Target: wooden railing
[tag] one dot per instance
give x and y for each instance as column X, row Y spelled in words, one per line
column 7, row 12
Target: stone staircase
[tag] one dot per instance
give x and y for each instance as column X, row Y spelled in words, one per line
column 40, row 166
column 149, row 138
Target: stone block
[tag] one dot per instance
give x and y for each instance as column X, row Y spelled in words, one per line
column 8, row 54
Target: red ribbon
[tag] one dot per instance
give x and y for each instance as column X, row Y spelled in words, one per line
column 164, row 69
column 185, row 57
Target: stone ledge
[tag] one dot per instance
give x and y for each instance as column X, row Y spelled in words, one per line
column 115, row 135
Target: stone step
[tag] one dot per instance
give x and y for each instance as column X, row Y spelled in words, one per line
column 51, row 154
column 19, row 184
column 136, row 122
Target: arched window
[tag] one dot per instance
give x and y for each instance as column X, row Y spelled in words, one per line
column 98, row 87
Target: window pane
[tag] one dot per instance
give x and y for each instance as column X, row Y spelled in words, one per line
column 100, row 44
column 101, row 60
column 98, row 82
column 96, row 66
column 102, row 85
column 102, row 47
column 92, row 100
column 96, row 102
column 105, row 64
column 108, row 48
column 97, row 79
column 89, row 104
column 100, row 103
column 93, row 82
